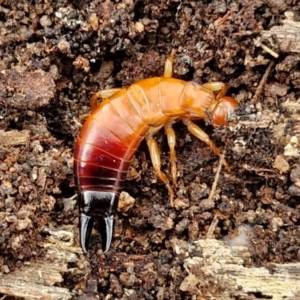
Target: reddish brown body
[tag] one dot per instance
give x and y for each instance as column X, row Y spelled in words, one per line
column 114, row 131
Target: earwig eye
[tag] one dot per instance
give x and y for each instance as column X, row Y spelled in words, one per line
column 223, row 110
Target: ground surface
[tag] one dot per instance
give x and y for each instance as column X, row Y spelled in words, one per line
column 54, row 56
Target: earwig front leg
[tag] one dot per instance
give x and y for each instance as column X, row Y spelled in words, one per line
column 102, row 94
column 155, row 158
column 172, row 142
column 169, row 64
column 201, row 135
column 217, row 86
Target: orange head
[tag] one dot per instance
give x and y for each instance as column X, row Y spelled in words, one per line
column 222, row 111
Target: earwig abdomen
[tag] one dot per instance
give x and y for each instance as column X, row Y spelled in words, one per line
column 113, row 132
column 104, row 149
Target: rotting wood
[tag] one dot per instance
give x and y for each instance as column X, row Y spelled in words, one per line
column 218, row 262
column 225, row 266
column 37, row 280
column 287, row 34
column 14, row 137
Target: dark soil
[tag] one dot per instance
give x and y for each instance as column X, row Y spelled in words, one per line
column 55, row 55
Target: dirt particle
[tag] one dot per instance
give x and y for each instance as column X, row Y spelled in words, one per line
column 281, row 164
column 45, row 21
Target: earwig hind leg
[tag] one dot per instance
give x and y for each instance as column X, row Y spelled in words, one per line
column 168, row 72
column 172, row 142
column 216, row 86
column 155, row 158
column 201, row 135
column 102, row 94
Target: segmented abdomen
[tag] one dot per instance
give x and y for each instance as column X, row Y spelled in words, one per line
column 107, row 143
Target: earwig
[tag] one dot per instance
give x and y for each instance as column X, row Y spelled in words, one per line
column 114, row 130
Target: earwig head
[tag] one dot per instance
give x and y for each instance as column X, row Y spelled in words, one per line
column 222, row 111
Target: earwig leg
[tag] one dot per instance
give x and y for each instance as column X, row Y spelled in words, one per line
column 103, row 94
column 155, row 158
column 169, row 64
column 216, row 86
column 201, row 135
column 171, row 142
